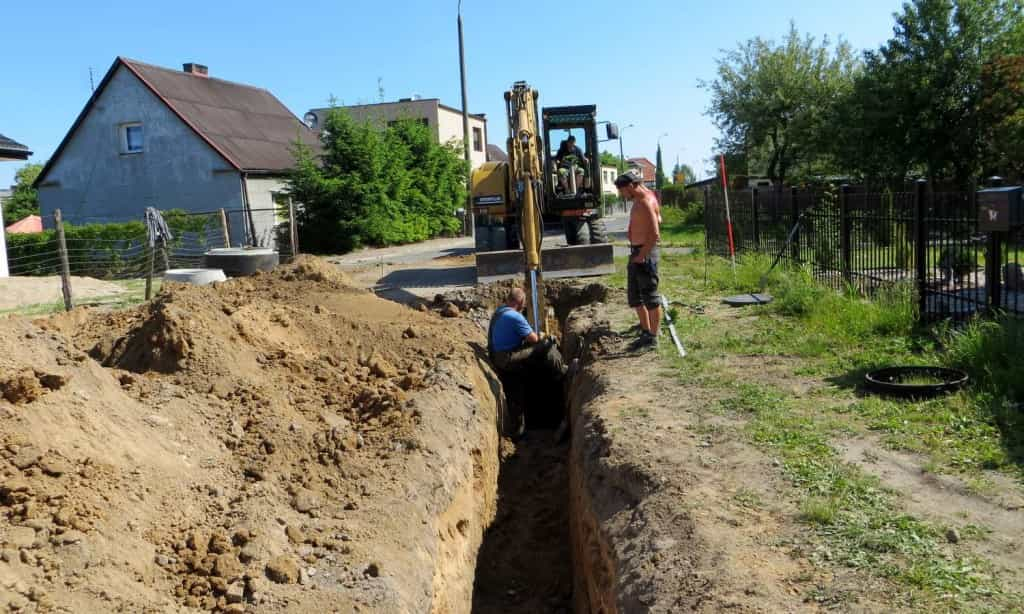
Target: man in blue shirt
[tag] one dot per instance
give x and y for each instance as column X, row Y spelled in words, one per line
column 513, row 345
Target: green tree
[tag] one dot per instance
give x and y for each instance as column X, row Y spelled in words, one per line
column 610, row 159
column 23, row 201
column 776, row 99
column 659, row 171
column 1002, row 110
column 920, row 102
column 375, row 185
column 683, row 174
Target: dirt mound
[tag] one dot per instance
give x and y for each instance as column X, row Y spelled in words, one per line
column 243, row 446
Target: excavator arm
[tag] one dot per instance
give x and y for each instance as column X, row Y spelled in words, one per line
column 526, row 178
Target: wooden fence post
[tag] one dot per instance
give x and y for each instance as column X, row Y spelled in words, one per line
column 151, row 253
column 921, row 246
column 224, row 228
column 293, row 229
column 845, row 256
column 65, row 268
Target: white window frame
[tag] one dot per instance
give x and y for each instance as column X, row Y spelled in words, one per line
column 123, row 135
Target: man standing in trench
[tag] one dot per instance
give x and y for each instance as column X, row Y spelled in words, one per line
column 513, row 345
column 642, row 272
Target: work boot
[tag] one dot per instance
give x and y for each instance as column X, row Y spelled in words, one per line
column 646, row 341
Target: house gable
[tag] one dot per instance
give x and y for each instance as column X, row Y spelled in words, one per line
column 92, row 178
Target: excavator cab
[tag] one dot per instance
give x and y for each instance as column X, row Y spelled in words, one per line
column 573, row 191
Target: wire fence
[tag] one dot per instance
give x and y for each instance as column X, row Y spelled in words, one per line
column 850, row 237
column 121, row 250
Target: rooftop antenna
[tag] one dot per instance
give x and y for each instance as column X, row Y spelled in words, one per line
column 380, row 88
column 92, row 86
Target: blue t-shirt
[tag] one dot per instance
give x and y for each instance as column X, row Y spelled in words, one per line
column 510, row 329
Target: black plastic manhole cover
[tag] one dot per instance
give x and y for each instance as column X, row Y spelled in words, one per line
column 744, row 300
column 917, row 382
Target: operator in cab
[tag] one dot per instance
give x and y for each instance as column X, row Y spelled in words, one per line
column 564, row 159
column 514, row 347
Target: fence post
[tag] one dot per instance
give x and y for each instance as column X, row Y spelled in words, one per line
column 845, row 226
column 291, row 227
column 707, row 226
column 224, row 228
column 65, row 268
column 151, row 253
column 757, row 226
column 795, row 206
column 921, row 246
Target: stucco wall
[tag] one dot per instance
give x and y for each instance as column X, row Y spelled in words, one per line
column 449, row 128
column 261, row 204
column 446, row 124
column 93, row 181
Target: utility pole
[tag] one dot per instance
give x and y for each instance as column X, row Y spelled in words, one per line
column 468, row 226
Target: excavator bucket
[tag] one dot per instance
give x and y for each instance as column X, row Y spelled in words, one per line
column 575, row 261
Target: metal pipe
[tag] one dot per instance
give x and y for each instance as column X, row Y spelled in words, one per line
column 535, row 300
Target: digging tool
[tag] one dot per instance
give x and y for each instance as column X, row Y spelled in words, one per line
column 728, row 217
column 759, row 297
column 763, row 281
column 672, row 328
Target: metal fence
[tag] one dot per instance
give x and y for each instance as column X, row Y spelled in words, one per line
column 120, row 249
column 850, row 237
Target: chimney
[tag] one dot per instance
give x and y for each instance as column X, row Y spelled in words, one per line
column 195, row 69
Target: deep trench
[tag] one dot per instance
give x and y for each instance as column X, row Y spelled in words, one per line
column 525, row 561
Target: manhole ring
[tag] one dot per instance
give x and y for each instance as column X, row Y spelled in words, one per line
column 745, row 300
column 907, row 381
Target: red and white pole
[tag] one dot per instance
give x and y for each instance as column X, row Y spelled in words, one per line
column 728, row 215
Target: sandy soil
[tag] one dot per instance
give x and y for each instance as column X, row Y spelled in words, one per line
column 282, row 443
column 22, row 291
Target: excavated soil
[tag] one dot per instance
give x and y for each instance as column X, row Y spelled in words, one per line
column 280, row 443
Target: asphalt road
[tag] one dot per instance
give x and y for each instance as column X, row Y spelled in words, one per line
column 409, row 273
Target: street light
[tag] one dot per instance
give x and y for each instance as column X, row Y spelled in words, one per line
column 468, row 225
column 622, row 158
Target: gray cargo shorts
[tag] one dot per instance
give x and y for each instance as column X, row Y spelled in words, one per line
column 642, row 280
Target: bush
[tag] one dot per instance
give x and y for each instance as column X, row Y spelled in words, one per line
column 376, row 185
column 676, row 195
column 95, row 250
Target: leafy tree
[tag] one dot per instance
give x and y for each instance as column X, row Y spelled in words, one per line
column 609, row 159
column 776, row 98
column 23, row 201
column 682, row 174
column 659, row 171
column 1002, row 111
column 375, row 186
column 921, row 101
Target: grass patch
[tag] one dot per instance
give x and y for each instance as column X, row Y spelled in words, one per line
column 860, row 522
column 134, row 294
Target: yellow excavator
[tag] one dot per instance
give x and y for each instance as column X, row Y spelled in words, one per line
column 510, row 200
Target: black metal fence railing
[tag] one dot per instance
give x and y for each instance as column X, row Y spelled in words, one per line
column 850, row 237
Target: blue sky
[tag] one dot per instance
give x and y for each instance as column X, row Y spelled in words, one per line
column 638, row 61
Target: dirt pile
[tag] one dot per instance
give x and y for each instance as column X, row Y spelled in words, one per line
column 244, row 447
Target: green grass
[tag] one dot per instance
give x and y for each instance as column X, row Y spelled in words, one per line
column 834, row 338
column 860, row 523
column 135, row 293
column 682, row 227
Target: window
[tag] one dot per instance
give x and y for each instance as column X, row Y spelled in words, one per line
column 478, row 139
column 131, row 138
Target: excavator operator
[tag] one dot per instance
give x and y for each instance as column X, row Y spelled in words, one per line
column 568, row 153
